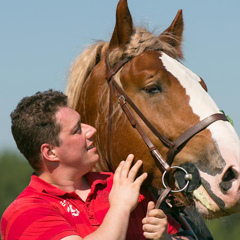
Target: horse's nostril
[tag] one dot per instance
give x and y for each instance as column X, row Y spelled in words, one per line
column 229, row 175
column 227, row 179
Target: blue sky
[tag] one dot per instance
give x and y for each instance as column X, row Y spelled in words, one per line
column 40, row 39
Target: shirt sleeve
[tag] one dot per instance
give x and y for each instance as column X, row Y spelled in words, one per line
column 35, row 222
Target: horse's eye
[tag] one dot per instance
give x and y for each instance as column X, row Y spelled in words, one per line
column 152, row 89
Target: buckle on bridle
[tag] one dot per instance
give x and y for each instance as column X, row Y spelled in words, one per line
column 121, row 99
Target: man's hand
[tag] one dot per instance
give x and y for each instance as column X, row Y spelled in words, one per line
column 126, row 187
column 155, row 223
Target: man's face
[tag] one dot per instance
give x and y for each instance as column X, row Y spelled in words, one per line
column 76, row 150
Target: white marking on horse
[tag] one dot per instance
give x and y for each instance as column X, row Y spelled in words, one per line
column 203, row 106
column 201, row 103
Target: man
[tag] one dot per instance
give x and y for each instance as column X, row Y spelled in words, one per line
column 64, row 200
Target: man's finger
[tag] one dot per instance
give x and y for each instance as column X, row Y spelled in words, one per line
column 118, row 171
column 150, row 207
column 134, row 170
column 127, row 165
column 139, row 181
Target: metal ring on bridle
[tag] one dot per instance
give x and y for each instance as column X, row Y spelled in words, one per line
column 180, row 190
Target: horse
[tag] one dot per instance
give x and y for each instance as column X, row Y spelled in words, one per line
column 141, row 99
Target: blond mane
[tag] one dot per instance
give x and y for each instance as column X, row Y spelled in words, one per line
column 80, row 70
column 141, row 40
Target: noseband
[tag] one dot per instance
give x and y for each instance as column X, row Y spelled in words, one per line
column 173, row 146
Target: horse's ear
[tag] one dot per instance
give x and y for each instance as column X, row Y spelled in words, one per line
column 124, row 26
column 173, row 34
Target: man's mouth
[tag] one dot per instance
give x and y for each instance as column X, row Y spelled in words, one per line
column 90, row 147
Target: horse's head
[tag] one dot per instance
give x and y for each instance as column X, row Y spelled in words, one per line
column 172, row 98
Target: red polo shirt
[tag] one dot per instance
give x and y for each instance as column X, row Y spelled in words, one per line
column 43, row 211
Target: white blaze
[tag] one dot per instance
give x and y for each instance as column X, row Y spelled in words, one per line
column 203, row 105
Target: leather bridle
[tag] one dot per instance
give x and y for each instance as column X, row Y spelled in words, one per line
column 173, row 146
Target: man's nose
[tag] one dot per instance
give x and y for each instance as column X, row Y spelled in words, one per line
column 89, row 130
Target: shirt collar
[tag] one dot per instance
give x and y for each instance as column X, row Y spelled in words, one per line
column 93, row 178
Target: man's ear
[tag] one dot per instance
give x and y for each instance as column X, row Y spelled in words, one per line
column 49, row 152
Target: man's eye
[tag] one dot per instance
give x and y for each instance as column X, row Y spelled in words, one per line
column 78, row 130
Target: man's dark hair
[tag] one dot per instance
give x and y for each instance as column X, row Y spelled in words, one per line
column 34, row 123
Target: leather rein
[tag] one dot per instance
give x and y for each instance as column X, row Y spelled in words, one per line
column 173, row 146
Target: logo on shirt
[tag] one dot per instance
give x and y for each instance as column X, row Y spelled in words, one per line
column 104, row 196
column 70, row 208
